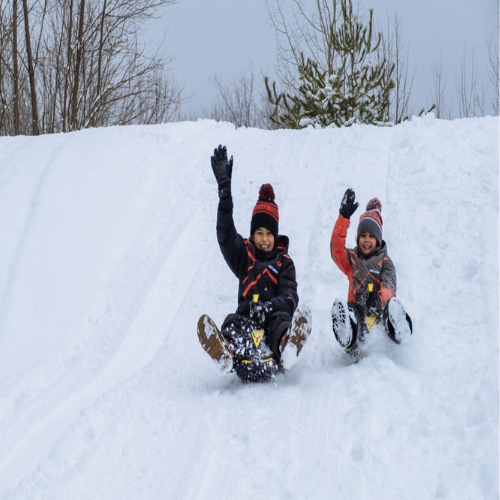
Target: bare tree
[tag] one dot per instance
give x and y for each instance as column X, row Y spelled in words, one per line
column 73, row 124
column 397, row 53
column 302, row 30
column 494, row 74
column 120, row 82
column 15, row 67
column 86, row 66
column 31, row 70
column 13, row 90
column 238, row 100
column 438, row 91
column 471, row 100
column 494, row 53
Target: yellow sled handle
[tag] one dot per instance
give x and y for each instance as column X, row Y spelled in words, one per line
column 257, row 334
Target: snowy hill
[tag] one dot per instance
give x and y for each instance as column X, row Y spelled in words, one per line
column 108, row 256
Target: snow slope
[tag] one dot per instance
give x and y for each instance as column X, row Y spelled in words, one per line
column 108, row 256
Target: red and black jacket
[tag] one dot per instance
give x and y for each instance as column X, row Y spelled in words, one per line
column 271, row 275
column 376, row 268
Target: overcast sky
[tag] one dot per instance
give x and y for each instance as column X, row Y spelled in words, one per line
column 224, row 37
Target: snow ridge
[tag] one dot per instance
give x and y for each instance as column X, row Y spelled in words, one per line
column 109, row 256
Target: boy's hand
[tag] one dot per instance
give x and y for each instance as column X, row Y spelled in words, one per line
column 223, row 169
column 260, row 312
column 373, row 304
column 348, row 205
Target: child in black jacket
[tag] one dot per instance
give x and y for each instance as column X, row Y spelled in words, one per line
column 261, row 263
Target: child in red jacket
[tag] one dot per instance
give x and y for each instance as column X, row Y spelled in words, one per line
column 371, row 273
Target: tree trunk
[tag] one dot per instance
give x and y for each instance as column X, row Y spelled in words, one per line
column 78, row 63
column 15, row 76
column 31, row 72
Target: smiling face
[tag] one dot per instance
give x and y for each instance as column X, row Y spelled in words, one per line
column 263, row 239
column 367, row 242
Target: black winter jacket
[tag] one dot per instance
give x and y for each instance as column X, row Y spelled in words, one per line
column 269, row 274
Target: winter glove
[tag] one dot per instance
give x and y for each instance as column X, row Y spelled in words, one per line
column 260, row 312
column 223, row 170
column 348, row 205
column 373, row 304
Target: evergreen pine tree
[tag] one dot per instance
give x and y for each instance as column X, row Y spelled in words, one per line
column 355, row 90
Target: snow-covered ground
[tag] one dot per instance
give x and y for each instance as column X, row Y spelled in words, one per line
column 108, row 256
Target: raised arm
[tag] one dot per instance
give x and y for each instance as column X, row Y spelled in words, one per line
column 338, row 251
column 230, row 242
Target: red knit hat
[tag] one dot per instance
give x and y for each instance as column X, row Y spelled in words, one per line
column 371, row 220
column 265, row 213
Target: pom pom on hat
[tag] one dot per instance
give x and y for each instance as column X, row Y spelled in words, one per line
column 265, row 213
column 374, row 204
column 266, row 192
column 371, row 220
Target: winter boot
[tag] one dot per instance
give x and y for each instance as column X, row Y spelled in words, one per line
column 397, row 322
column 214, row 344
column 344, row 322
column 295, row 338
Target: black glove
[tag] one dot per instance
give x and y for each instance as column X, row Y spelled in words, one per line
column 348, row 205
column 260, row 312
column 373, row 304
column 223, row 170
